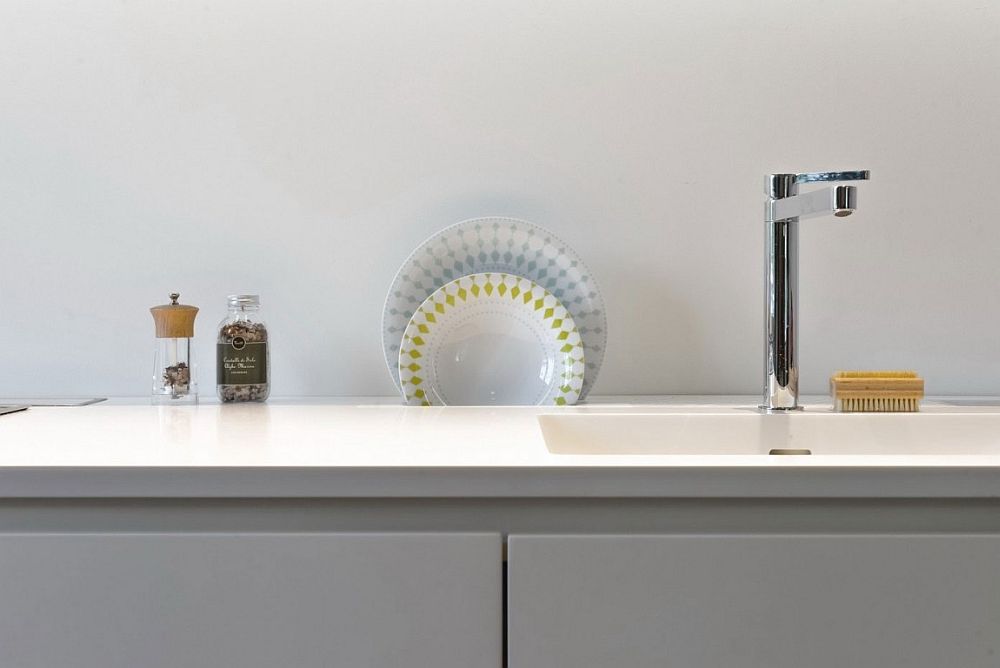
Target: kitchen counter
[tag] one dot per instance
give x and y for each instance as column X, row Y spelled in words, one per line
column 434, row 529
column 376, row 448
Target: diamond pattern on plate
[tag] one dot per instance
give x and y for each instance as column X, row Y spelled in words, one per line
column 562, row 333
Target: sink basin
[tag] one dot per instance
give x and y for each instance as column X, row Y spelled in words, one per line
column 760, row 434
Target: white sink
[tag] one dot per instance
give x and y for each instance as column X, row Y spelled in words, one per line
column 759, row 434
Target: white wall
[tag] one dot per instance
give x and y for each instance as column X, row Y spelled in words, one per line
column 302, row 149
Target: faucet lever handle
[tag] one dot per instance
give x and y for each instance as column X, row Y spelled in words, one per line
column 813, row 177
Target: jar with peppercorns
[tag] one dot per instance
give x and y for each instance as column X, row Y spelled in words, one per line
column 243, row 366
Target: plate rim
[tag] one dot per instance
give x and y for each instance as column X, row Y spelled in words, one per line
column 547, row 400
column 596, row 364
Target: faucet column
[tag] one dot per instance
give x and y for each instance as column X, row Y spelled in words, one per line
column 781, row 375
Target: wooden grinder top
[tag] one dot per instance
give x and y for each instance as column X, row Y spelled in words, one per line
column 173, row 320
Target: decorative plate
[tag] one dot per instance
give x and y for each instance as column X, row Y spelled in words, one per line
column 491, row 339
column 502, row 245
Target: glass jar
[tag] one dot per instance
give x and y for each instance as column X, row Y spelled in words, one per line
column 242, row 362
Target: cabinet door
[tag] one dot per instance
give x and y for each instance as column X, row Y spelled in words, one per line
column 779, row 601
column 250, row 600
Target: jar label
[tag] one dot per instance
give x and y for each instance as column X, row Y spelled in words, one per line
column 241, row 363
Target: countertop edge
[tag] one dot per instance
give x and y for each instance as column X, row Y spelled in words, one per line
column 499, row 482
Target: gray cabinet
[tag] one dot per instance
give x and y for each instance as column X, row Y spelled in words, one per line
column 188, row 600
column 754, row 601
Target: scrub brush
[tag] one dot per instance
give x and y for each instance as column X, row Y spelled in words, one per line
column 876, row 391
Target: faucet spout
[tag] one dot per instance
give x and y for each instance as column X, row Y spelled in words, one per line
column 837, row 200
column 784, row 208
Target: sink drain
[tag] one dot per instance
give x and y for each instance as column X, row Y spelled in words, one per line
column 790, row 451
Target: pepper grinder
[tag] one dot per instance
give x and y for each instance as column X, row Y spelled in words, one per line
column 173, row 369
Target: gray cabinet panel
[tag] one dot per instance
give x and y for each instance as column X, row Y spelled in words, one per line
column 250, row 600
column 761, row 601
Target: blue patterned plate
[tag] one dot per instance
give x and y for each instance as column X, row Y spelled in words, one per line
column 503, row 245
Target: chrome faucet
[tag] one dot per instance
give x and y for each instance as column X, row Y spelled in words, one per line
column 784, row 208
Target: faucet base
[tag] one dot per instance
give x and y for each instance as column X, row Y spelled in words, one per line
column 777, row 409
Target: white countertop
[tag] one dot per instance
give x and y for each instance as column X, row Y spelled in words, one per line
column 374, row 447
